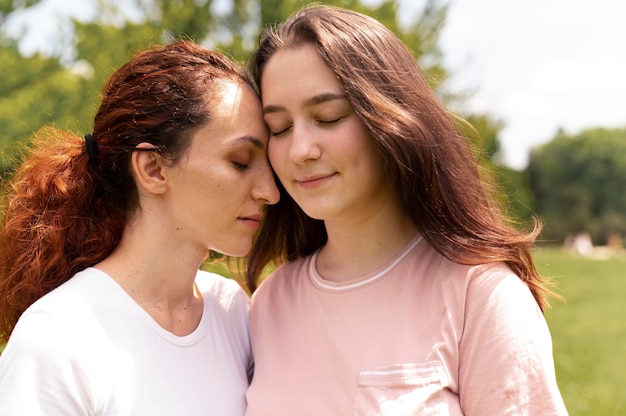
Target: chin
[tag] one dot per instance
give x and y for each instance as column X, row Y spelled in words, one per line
column 240, row 251
column 315, row 214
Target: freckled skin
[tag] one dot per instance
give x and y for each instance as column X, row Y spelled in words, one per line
column 224, row 178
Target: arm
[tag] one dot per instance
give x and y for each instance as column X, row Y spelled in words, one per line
column 506, row 365
column 40, row 373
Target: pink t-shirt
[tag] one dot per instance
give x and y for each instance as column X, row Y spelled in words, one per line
column 421, row 336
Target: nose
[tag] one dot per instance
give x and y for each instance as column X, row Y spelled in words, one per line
column 303, row 147
column 265, row 187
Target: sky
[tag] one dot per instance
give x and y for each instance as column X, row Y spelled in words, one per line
column 536, row 65
column 540, row 66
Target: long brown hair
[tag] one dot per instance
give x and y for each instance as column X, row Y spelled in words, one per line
column 66, row 207
column 427, row 159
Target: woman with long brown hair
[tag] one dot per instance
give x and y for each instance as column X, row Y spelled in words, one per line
column 402, row 287
column 102, row 301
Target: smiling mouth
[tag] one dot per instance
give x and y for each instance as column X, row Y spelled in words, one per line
column 314, row 181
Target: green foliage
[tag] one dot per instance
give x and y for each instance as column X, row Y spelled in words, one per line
column 577, row 183
column 44, row 91
column 121, row 44
column 421, row 36
column 588, row 330
column 40, row 90
column 512, row 185
column 483, row 131
column 516, row 199
column 8, row 6
column 36, row 91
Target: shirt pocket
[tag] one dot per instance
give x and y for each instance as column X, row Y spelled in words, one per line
column 401, row 389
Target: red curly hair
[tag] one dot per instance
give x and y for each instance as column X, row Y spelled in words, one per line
column 64, row 210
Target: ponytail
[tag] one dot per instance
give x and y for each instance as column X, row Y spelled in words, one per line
column 66, row 207
column 54, row 223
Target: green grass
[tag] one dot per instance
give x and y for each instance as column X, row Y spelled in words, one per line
column 588, row 330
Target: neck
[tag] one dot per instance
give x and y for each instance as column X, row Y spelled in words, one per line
column 356, row 249
column 159, row 275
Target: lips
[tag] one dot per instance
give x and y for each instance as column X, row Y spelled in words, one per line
column 253, row 220
column 313, row 181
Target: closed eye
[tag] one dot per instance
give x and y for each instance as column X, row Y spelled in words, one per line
column 279, row 132
column 329, row 121
column 240, row 166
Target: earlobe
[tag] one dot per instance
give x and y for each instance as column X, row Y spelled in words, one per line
column 149, row 169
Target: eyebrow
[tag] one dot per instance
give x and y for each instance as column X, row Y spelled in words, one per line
column 322, row 98
column 250, row 139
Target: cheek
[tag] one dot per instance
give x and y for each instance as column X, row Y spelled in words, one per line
column 275, row 153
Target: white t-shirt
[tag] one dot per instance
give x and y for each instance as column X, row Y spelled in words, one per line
column 420, row 336
column 87, row 348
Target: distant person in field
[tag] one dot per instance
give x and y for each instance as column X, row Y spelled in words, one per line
column 403, row 288
column 102, row 240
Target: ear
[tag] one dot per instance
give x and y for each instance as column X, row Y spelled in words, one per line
column 149, row 169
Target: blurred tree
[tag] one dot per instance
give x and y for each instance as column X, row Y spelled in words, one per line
column 68, row 93
column 578, row 184
column 421, row 35
column 34, row 90
column 110, row 38
column 518, row 202
column 483, row 131
column 37, row 91
column 9, row 6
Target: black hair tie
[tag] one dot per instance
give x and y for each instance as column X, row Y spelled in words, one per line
column 92, row 149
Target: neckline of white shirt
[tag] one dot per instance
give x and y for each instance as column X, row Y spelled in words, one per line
column 322, row 283
column 185, row 340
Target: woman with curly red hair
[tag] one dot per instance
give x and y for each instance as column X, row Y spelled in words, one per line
column 102, row 301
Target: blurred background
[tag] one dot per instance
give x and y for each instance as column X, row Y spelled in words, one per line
column 541, row 81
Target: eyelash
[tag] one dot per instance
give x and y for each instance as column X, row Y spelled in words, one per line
column 278, row 133
column 240, row 166
column 329, row 121
column 324, row 122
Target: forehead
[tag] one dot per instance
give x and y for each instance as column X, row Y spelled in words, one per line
column 236, row 113
column 297, row 69
column 233, row 99
column 228, row 96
